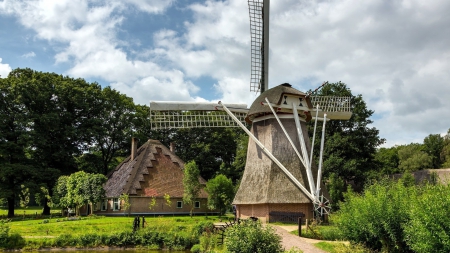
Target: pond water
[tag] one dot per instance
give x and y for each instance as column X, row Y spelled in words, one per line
column 112, row 251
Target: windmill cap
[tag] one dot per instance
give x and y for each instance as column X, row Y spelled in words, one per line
column 275, row 96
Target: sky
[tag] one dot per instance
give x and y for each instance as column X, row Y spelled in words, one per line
column 395, row 53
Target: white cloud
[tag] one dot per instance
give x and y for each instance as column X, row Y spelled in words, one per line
column 151, row 6
column 4, row 69
column 395, row 53
column 29, row 55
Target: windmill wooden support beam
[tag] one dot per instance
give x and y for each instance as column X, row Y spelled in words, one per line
column 269, row 154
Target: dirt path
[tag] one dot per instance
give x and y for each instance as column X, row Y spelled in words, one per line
column 290, row 240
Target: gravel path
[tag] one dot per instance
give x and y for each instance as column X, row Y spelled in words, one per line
column 290, row 240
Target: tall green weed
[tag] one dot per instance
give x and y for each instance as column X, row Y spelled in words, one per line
column 251, row 237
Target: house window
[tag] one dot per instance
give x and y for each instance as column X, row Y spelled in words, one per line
column 197, row 204
column 96, row 206
column 116, row 204
column 179, row 204
column 104, row 205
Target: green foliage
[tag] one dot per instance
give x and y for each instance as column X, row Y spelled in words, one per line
column 388, row 161
column 350, row 145
column 433, row 145
column 78, row 189
column 341, row 247
column 125, row 199
column 191, row 184
column 398, row 217
column 167, row 200
column 413, row 158
column 220, row 191
column 445, row 153
column 152, row 203
column 4, row 232
column 336, row 187
column 252, row 237
column 197, row 248
column 377, row 216
column 429, row 227
column 24, row 196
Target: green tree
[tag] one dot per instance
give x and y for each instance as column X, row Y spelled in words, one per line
column 445, row 153
column 79, row 189
column 220, row 191
column 16, row 166
column 433, row 145
column 125, row 199
column 191, row 184
column 113, row 131
column 350, row 145
column 413, row 158
column 388, row 161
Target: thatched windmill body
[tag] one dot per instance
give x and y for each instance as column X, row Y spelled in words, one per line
column 279, row 174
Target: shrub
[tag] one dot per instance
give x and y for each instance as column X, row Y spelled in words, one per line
column 203, row 226
column 252, row 237
column 376, row 218
column 429, row 227
column 197, row 248
column 4, row 233
column 65, row 240
column 15, row 241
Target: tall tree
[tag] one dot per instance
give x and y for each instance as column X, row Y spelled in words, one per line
column 445, row 153
column 388, row 161
column 79, row 189
column 433, row 145
column 412, row 157
column 15, row 164
column 350, row 145
column 220, row 191
column 113, row 131
column 191, row 184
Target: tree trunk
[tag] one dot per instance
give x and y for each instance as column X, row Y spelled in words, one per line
column 46, row 210
column 11, row 206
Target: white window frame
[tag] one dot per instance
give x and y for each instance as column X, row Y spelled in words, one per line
column 104, row 205
column 197, row 204
column 116, row 203
column 179, row 204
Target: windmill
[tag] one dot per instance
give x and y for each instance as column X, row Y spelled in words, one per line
column 280, row 174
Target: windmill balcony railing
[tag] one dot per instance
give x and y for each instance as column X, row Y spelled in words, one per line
column 332, row 103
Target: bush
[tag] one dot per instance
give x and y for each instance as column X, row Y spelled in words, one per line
column 203, row 226
column 4, row 233
column 376, row 218
column 64, row 240
column 197, row 248
column 252, row 237
column 429, row 227
column 15, row 241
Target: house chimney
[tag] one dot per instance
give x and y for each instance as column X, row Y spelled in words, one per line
column 172, row 147
column 133, row 148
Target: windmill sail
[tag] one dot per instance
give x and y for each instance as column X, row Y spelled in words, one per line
column 165, row 115
column 259, row 32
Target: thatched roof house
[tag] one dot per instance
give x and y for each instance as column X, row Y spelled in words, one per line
column 151, row 172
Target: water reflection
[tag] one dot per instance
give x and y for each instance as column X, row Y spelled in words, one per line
column 106, row 250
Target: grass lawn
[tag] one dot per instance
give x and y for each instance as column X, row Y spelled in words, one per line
column 32, row 210
column 341, row 247
column 100, row 225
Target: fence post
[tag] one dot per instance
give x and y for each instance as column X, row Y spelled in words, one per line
column 299, row 226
